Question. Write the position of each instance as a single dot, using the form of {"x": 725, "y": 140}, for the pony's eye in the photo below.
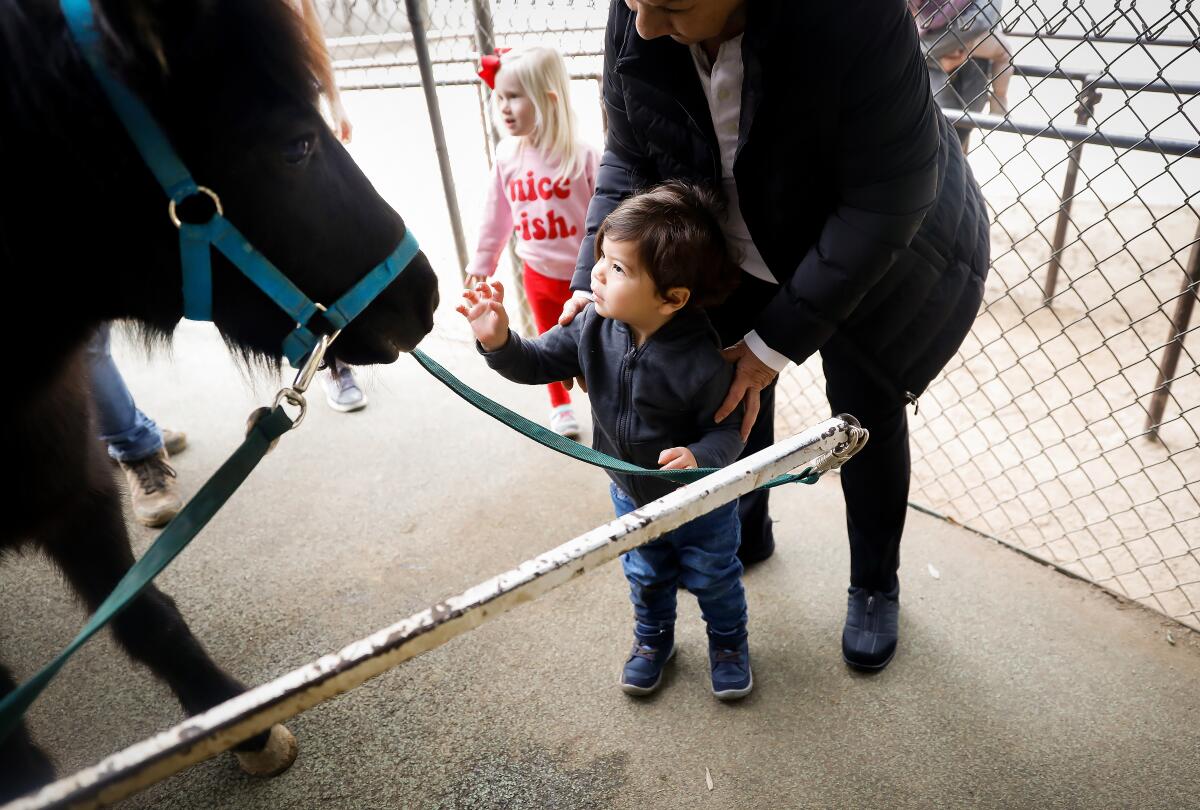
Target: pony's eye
{"x": 298, "y": 149}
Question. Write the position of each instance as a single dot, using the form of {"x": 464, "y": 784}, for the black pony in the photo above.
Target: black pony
{"x": 85, "y": 238}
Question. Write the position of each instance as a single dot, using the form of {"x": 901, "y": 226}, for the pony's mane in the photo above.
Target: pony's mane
{"x": 28, "y": 60}
{"x": 267, "y": 37}
{"x": 261, "y": 371}
{"x": 258, "y": 38}
{"x": 272, "y": 33}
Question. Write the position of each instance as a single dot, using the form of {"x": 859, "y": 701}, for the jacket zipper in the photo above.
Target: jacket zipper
{"x": 626, "y": 404}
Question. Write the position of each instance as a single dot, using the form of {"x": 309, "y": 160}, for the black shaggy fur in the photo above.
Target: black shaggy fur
{"x": 85, "y": 238}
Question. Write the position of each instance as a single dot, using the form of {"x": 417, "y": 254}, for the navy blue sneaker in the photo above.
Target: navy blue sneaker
{"x": 643, "y": 671}
{"x": 731, "y": 676}
{"x": 872, "y": 628}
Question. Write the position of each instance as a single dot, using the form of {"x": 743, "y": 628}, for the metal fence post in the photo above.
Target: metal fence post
{"x": 1089, "y": 97}
{"x": 485, "y": 40}
{"x": 1180, "y": 323}
{"x": 421, "y": 46}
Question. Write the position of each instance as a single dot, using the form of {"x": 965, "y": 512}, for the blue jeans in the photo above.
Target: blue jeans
{"x": 702, "y": 556}
{"x": 129, "y": 433}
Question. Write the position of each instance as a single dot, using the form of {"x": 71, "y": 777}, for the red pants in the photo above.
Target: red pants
{"x": 546, "y": 297}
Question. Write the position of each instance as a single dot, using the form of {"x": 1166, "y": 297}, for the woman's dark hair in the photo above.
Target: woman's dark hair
{"x": 677, "y": 228}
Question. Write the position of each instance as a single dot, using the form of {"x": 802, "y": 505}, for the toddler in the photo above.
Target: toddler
{"x": 655, "y": 378}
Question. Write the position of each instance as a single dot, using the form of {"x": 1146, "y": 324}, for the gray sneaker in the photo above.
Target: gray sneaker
{"x": 341, "y": 389}
{"x": 152, "y": 489}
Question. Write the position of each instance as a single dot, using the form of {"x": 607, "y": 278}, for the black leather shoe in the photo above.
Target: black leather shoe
{"x": 872, "y": 628}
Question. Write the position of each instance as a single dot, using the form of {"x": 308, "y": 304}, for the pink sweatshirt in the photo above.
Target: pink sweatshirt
{"x": 547, "y": 216}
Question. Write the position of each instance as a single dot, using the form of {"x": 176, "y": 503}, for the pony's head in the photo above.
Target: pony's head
{"x": 234, "y": 84}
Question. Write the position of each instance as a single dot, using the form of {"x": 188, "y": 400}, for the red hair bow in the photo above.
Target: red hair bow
{"x": 490, "y": 66}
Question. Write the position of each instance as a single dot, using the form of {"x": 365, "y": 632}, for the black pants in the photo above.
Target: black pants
{"x": 874, "y": 482}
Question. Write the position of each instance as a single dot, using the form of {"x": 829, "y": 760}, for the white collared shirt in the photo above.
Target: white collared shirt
{"x": 723, "y": 89}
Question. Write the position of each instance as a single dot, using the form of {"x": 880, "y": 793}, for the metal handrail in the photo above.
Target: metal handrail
{"x": 1178, "y": 147}
{"x": 1119, "y": 39}
{"x": 1107, "y": 81}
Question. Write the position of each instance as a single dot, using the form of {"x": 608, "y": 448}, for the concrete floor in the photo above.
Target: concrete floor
{"x": 1015, "y": 686}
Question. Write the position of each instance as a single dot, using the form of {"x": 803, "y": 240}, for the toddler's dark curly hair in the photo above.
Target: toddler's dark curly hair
{"x": 677, "y": 228}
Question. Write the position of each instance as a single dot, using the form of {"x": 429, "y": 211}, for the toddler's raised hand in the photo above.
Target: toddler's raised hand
{"x": 677, "y": 458}
{"x": 484, "y": 309}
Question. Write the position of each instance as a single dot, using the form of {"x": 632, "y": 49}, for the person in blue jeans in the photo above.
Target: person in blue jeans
{"x": 701, "y": 556}
{"x": 133, "y": 439}
{"x": 968, "y": 58}
{"x": 655, "y": 377}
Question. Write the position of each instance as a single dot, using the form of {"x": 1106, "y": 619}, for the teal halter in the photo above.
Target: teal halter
{"x": 195, "y": 240}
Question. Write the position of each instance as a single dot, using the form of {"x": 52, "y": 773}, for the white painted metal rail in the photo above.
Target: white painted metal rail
{"x": 823, "y": 448}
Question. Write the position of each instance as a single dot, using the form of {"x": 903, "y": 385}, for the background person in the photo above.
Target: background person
{"x": 133, "y": 439}
{"x": 542, "y": 180}
{"x": 968, "y": 58}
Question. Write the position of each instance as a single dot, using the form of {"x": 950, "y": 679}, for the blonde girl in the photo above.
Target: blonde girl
{"x": 542, "y": 180}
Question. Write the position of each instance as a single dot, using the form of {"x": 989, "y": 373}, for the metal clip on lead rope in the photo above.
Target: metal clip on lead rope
{"x": 294, "y": 394}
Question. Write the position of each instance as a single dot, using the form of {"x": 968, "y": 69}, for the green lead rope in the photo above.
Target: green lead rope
{"x": 567, "y": 447}
{"x": 173, "y": 539}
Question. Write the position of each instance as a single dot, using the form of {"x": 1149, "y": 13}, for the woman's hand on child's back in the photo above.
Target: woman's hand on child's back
{"x": 677, "y": 458}
{"x": 484, "y": 309}
{"x": 572, "y": 307}
{"x": 750, "y": 376}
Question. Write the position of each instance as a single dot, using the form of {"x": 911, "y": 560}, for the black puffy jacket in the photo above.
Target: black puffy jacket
{"x": 850, "y": 179}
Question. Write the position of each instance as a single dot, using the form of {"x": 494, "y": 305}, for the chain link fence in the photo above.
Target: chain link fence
{"x": 1067, "y": 426}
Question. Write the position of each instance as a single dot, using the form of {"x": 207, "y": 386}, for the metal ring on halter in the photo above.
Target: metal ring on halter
{"x": 199, "y": 190}
{"x": 320, "y": 308}
{"x": 295, "y": 398}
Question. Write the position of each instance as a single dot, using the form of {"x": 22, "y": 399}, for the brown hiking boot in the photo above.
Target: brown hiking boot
{"x": 152, "y": 489}
{"x": 175, "y": 441}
